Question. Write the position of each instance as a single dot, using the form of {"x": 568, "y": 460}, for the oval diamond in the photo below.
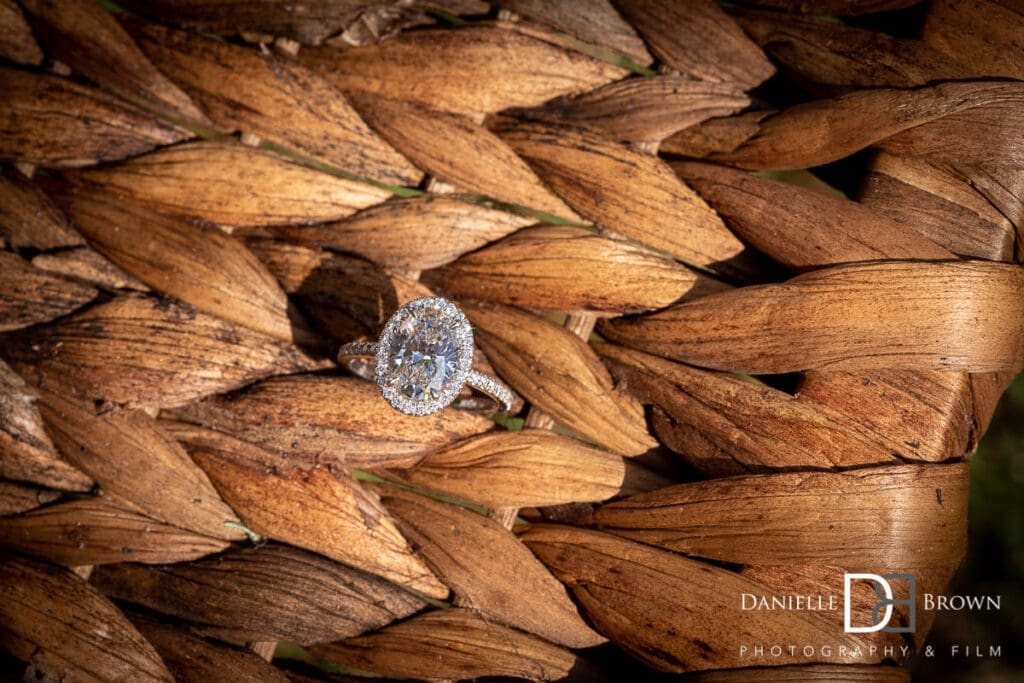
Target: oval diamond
{"x": 424, "y": 357}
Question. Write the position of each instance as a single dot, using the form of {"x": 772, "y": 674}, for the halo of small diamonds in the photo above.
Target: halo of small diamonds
{"x": 424, "y": 355}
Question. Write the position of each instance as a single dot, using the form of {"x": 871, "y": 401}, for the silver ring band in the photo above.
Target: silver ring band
{"x": 424, "y": 359}
{"x": 359, "y": 358}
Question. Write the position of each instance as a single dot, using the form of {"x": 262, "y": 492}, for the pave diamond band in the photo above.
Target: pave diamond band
{"x": 492, "y": 387}
{"x": 359, "y": 356}
{"x": 423, "y": 359}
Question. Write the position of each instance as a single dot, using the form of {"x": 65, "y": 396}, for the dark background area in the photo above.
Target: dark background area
{"x": 995, "y": 560}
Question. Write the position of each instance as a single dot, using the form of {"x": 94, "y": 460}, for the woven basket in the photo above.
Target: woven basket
{"x": 732, "y": 379}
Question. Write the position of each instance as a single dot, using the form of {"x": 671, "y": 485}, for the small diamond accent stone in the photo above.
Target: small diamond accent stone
{"x": 424, "y": 356}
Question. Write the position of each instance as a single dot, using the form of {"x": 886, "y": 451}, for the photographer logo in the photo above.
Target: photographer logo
{"x": 890, "y": 606}
{"x": 882, "y": 612}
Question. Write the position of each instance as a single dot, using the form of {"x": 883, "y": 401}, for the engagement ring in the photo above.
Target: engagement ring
{"x": 423, "y": 359}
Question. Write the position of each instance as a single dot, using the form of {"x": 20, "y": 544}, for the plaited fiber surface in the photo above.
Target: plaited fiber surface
{"x": 733, "y": 375}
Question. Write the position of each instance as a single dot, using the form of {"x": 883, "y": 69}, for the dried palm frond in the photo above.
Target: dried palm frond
{"x": 200, "y": 200}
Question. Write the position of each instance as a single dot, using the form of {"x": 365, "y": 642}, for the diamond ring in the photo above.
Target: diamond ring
{"x": 423, "y": 359}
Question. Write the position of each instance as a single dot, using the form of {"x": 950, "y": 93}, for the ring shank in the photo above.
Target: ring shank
{"x": 360, "y": 358}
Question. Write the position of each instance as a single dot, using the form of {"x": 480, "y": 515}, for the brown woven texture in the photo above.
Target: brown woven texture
{"x": 730, "y": 377}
